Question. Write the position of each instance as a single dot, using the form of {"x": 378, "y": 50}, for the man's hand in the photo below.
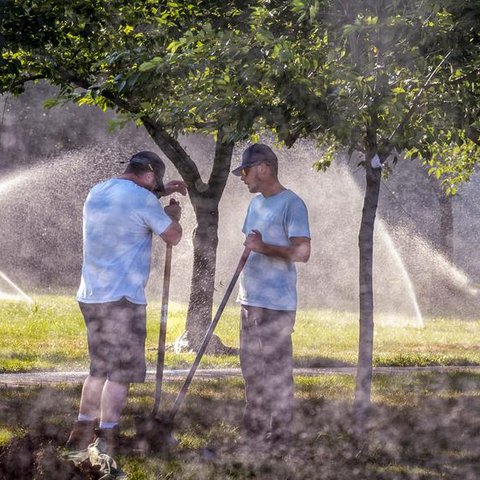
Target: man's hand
{"x": 173, "y": 210}
{"x": 297, "y": 251}
{"x": 254, "y": 241}
{"x": 175, "y": 186}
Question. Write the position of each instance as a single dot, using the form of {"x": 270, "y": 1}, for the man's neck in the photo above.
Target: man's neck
{"x": 272, "y": 189}
{"x": 133, "y": 178}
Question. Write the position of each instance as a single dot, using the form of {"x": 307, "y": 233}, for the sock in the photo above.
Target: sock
{"x": 108, "y": 425}
{"x": 85, "y": 418}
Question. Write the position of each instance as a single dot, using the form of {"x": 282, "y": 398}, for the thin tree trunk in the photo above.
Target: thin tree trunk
{"x": 446, "y": 226}
{"x": 445, "y": 237}
{"x": 366, "y": 327}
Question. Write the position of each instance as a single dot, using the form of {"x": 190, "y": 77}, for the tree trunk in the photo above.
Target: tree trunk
{"x": 445, "y": 237}
{"x": 205, "y": 198}
{"x": 205, "y": 242}
{"x": 446, "y": 226}
{"x": 366, "y": 327}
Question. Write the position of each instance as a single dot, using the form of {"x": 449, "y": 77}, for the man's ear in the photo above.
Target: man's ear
{"x": 265, "y": 169}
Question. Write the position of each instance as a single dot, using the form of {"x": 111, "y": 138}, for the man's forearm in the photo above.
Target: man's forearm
{"x": 297, "y": 252}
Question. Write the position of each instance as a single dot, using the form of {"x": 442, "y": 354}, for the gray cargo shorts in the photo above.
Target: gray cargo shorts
{"x": 116, "y": 333}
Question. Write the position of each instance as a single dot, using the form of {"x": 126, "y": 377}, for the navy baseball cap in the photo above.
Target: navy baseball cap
{"x": 155, "y": 163}
{"x": 254, "y": 155}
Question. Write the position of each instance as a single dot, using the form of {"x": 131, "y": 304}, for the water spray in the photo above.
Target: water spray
{"x": 20, "y": 292}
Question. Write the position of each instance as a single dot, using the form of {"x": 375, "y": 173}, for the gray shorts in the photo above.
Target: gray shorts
{"x": 116, "y": 333}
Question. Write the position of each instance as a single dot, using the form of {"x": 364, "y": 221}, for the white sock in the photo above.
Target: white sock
{"x": 85, "y": 418}
{"x": 107, "y": 425}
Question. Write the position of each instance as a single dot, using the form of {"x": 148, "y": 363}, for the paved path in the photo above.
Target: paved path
{"x": 41, "y": 378}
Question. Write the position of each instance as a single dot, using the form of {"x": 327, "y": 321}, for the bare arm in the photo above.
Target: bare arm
{"x": 173, "y": 233}
{"x": 297, "y": 251}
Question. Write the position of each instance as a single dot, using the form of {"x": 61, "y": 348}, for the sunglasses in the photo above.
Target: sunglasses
{"x": 244, "y": 171}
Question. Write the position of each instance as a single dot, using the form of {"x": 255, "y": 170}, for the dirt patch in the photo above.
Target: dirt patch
{"x": 35, "y": 458}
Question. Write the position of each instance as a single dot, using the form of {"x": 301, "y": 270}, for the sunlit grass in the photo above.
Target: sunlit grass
{"x": 333, "y": 387}
{"x": 5, "y": 435}
{"x": 50, "y": 335}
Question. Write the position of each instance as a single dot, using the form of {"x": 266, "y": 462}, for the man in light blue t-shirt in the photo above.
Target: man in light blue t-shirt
{"x": 278, "y": 235}
{"x": 120, "y": 216}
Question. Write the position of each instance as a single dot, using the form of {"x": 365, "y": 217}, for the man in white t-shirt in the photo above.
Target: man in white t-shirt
{"x": 120, "y": 217}
{"x": 277, "y": 232}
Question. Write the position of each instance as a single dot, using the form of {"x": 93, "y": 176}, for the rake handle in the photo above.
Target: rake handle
{"x": 208, "y": 335}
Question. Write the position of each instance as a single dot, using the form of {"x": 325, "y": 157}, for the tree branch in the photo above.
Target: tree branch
{"x": 473, "y": 134}
{"x": 221, "y": 165}
{"x": 172, "y": 149}
{"x": 414, "y": 105}
{"x": 20, "y": 82}
{"x": 166, "y": 142}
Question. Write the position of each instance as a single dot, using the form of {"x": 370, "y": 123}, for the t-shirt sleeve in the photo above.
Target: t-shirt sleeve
{"x": 154, "y": 215}
{"x": 297, "y": 219}
{"x": 246, "y": 228}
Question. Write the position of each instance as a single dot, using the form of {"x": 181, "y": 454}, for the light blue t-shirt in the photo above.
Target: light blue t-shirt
{"x": 119, "y": 218}
{"x": 266, "y": 281}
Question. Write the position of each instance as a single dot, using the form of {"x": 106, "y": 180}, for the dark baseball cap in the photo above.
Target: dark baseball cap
{"x": 155, "y": 163}
{"x": 254, "y": 155}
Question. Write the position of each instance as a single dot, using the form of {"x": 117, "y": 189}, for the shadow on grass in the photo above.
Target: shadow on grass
{"x": 320, "y": 362}
{"x": 435, "y": 434}
{"x": 16, "y": 362}
{"x": 422, "y": 360}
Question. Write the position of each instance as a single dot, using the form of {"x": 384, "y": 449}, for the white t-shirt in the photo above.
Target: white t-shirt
{"x": 266, "y": 281}
{"x": 119, "y": 218}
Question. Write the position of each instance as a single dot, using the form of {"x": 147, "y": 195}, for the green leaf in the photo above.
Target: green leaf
{"x": 51, "y": 102}
{"x": 147, "y": 66}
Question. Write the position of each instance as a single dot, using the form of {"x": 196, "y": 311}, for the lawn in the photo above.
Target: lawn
{"x": 422, "y": 425}
{"x": 50, "y": 335}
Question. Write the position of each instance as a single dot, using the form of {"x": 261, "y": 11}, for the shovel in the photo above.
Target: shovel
{"x": 162, "y": 438}
{"x": 146, "y": 427}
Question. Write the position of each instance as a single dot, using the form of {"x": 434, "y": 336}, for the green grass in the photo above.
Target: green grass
{"x": 50, "y": 335}
{"x": 423, "y": 425}
{"x": 329, "y": 337}
{"x": 5, "y": 435}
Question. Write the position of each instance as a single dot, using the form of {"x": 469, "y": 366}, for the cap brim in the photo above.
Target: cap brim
{"x": 160, "y": 188}
{"x": 237, "y": 171}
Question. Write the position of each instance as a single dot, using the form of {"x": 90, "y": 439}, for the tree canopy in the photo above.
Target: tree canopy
{"x": 408, "y": 70}
{"x": 183, "y": 64}
{"x": 325, "y": 68}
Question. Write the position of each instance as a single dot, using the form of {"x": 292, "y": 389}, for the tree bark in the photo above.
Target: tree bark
{"x": 205, "y": 242}
{"x": 445, "y": 237}
{"x": 446, "y": 226}
{"x": 205, "y": 198}
{"x": 366, "y": 324}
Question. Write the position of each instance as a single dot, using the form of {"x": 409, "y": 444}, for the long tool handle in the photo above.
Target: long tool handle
{"x": 183, "y": 391}
{"x": 163, "y": 330}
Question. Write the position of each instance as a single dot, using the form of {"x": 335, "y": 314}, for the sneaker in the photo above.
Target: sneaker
{"x": 109, "y": 439}
{"x": 82, "y": 435}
